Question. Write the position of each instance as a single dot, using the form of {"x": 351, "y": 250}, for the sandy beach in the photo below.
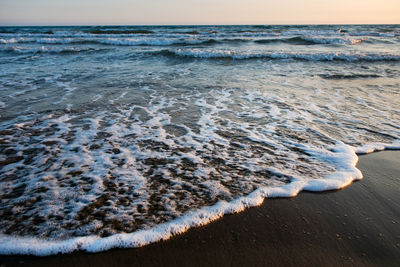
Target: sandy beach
{"x": 356, "y": 226}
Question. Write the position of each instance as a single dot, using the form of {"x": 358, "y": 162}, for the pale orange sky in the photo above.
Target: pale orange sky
{"x": 77, "y": 12}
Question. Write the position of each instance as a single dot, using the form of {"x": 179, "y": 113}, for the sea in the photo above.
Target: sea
{"x": 120, "y": 136}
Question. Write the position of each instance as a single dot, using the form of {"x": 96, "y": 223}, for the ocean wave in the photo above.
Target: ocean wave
{"x": 9, "y": 32}
{"x": 227, "y": 54}
{"x": 10, "y": 41}
{"x": 376, "y": 34}
{"x": 119, "y": 32}
{"x": 348, "y": 41}
{"x": 114, "y": 41}
{"x": 154, "y": 42}
{"x": 238, "y": 31}
{"x": 348, "y": 76}
{"x": 71, "y": 34}
{"x": 49, "y": 50}
{"x": 292, "y": 40}
{"x": 311, "y": 32}
{"x": 301, "y": 40}
{"x": 298, "y": 40}
{"x": 168, "y": 38}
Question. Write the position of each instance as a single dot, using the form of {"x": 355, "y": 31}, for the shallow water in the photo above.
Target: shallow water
{"x": 113, "y": 130}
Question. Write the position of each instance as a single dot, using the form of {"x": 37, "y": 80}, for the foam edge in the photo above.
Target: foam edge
{"x": 344, "y": 155}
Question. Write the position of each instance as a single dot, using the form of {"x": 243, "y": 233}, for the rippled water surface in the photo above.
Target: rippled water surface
{"x": 108, "y": 130}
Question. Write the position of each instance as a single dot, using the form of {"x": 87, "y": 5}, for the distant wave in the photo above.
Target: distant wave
{"x": 10, "y": 31}
{"x": 178, "y": 41}
{"x": 349, "y": 41}
{"x": 226, "y": 54}
{"x": 151, "y": 41}
{"x": 63, "y": 50}
{"x": 22, "y": 40}
{"x": 113, "y": 41}
{"x": 348, "y": 76}
{"x": 203, "y": 53}
{"x": 301, "y": 40}
{"x": 106, "y": 31}
{"x": 247, "y": 31}
{"x": 121, "y": 32}
{"x": 154, "y": 42}
{"x": 292, "y": 40}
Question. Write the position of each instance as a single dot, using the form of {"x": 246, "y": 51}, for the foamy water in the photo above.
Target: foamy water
{"x": 123, "y": 136}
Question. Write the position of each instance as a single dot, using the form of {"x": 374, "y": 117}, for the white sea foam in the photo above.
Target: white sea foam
{"x": 369, "y": 148}
{"x": 11, "y": 40}
{"x": 43, "y": 49}
{"x": 344, "y": 155}
{"x": 331, "y": 40}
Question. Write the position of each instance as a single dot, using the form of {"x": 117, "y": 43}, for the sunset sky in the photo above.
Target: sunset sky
{"x": 89, "y": 12}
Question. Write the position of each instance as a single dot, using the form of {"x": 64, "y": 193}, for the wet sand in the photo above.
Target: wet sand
{"x": 356, "y": 226}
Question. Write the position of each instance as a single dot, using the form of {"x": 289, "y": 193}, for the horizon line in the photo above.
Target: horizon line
{"x": 200, "y": 24}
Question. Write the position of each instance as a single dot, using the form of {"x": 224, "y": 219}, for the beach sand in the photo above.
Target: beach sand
{"x": 359, "y": 225}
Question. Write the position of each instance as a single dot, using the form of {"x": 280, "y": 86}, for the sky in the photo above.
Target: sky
{"x": 160, "y": 12}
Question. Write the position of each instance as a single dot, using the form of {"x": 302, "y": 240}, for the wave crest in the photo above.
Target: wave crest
{"x": 302, "y": 40}
{"x": 227, "y": 54}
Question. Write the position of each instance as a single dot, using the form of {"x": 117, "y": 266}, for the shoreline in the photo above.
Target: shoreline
{"x": 355, "y": 226}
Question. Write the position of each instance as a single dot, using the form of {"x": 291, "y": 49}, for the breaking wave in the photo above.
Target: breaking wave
{"x": 227, "y": 54}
